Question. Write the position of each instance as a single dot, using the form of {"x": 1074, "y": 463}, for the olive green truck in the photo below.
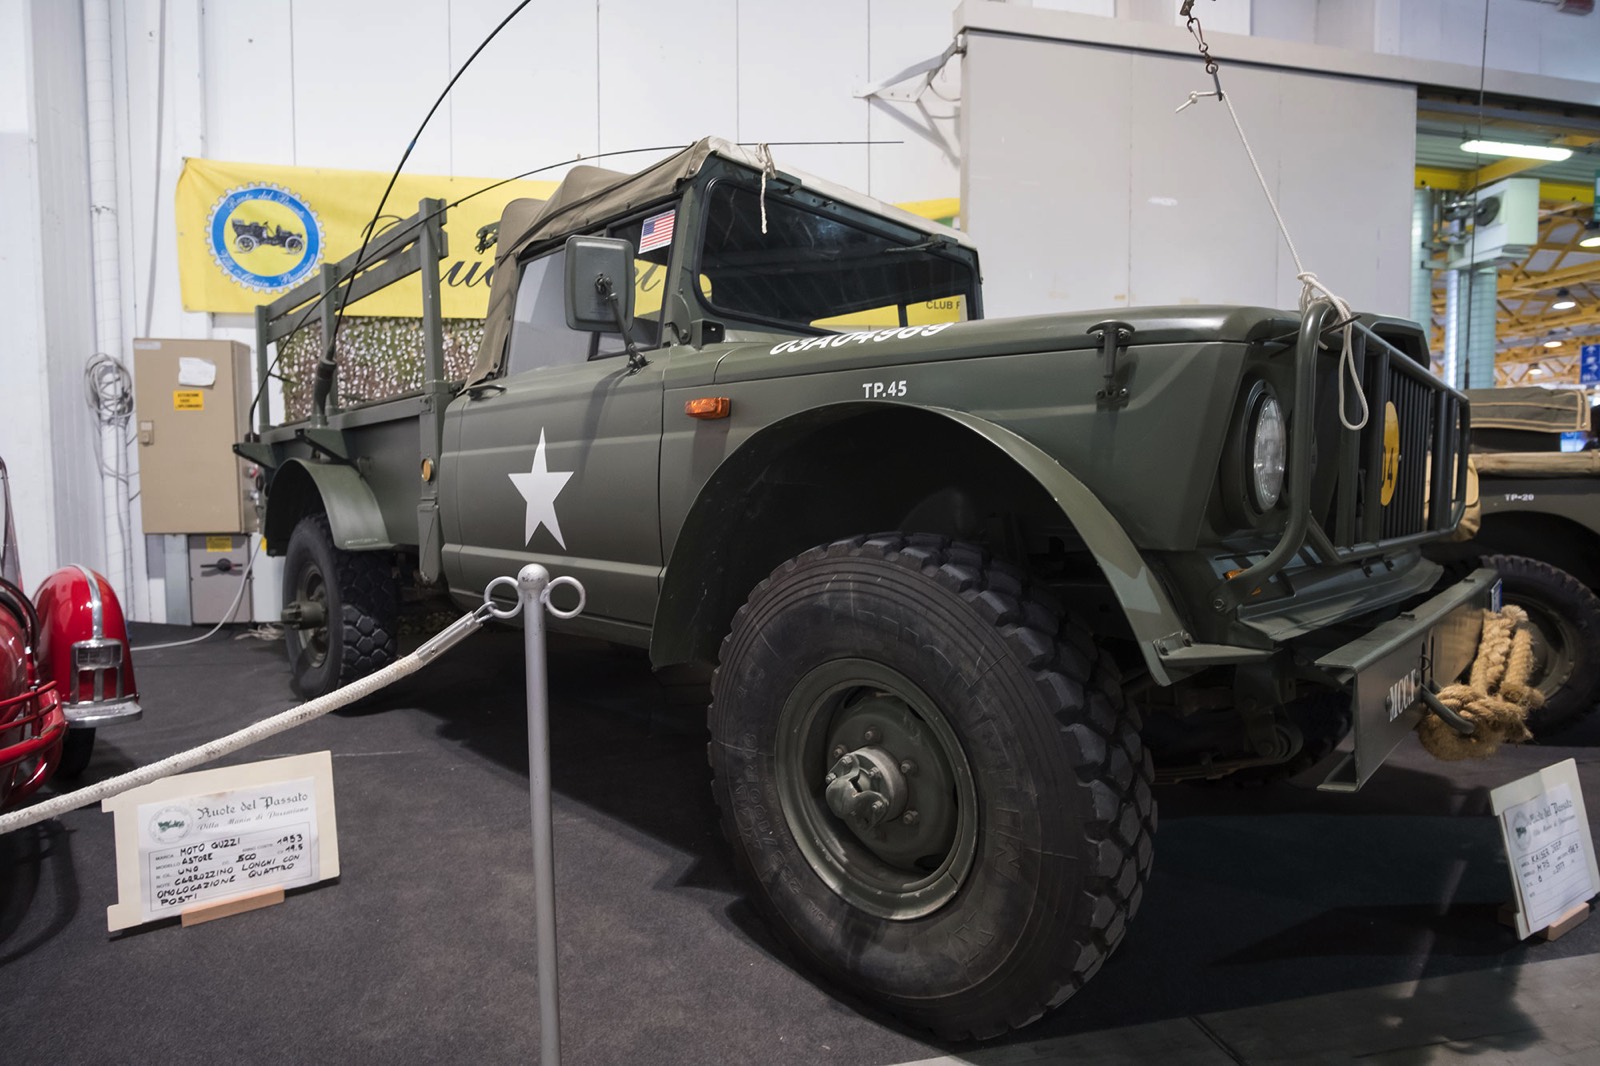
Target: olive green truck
{"x": 964, "y": 590}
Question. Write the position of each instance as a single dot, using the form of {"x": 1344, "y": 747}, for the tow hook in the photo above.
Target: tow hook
{"x": 303, "y": 614}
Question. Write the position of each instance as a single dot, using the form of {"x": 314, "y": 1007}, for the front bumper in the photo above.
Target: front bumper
{"x": 105, "y": 712}
{"x": 1431, "y": 645}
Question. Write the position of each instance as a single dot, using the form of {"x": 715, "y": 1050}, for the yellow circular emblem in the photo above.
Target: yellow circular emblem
{"x": 1391, "y": 453}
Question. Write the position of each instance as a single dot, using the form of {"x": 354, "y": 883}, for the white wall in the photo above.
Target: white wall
{"x": 27, "y": 423}
{"x": 1523, "y": 36}
{"x": 1122, "y": 202}
{"x": 344, "y": 83}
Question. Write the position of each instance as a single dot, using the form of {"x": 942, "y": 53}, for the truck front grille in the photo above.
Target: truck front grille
{"x": 1401, "y": 476}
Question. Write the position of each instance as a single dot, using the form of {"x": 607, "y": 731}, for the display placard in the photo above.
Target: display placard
{"x": 215, "y": 835}
{"x": 1546, "y": 832}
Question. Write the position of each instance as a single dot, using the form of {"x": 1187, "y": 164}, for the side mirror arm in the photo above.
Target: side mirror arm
{"x": 636, "y": 359}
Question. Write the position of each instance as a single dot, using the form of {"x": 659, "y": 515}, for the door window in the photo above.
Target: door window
{"x": 539, "y": 333}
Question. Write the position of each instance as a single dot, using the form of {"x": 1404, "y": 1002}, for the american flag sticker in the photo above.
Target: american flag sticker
{"x": 657, "y": 232}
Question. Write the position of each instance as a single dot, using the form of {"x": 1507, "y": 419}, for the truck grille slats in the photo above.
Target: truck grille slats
{"x": 1401, "y": 477}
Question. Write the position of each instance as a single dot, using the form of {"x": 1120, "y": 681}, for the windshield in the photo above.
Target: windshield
{"x": 815, "y": 271}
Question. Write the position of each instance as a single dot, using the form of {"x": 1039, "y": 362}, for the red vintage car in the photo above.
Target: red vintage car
{"x": 65, "y": 668}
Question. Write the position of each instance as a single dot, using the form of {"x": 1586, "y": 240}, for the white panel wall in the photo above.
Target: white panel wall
{"x": 1122, "y": 202}
{"x": 830, "y": 51}
{"x": 926, "y": 165}
{"x": 668, "y": 72}
{"x": 27, "y": 423}
{"x": 67, "y": 289}
{"x": 532, "y": 98}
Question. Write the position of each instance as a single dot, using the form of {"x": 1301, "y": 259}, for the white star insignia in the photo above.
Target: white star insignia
{"x": 540, "y": 488}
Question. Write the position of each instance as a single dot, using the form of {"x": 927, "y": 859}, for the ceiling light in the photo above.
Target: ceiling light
{"x": 1591, "y": 234}
{"x": 1552, "y": 344}
{"x": 1536, "y": 370}
{"x": 1564, "y": 301}
{"x": 1517, "y": 151}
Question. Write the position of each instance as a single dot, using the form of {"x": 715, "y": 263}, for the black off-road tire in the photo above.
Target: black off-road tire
{"x": 1566, "y": 619}
{"x": 76, "y": 749}
{"x": 362, "y": 605}
{"x": 1064, "y": 815}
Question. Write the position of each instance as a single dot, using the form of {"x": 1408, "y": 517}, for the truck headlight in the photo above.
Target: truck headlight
{"x": 1267, "y": 452}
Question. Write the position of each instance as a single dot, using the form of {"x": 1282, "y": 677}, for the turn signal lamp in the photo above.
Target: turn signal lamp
{"x": 709, "y": 407}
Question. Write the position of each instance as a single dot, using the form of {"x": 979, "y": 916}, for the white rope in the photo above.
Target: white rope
{"x": 441, "y": 642}
{"x": 769, "y": 169}
{"x": 1311, "y": 289}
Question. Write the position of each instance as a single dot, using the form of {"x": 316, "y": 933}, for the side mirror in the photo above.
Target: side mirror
{"x": 599, "y": 285}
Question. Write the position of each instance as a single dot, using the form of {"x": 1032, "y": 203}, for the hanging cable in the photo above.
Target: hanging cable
{"x": 227, "y": 616}
{"x": 108, "y": 389}
{"x": 325, "y": 368}
{"x": 1311, "y": 288}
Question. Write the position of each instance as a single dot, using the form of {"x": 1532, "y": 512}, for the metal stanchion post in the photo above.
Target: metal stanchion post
{"x": 534, "y": 585}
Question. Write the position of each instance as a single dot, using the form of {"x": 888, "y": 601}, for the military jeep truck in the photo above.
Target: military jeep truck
{"x": 968, "y": 587}
{"x": 1540, "y": 528}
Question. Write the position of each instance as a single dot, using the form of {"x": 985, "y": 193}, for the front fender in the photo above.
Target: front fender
{"x": 688, "y": 609}
{"x": 300, "y": 488}
{"x": 1149, "y": 610}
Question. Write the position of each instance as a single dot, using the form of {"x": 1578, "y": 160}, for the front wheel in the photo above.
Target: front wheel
{"x": 341, "y": 613}
{"x": 930, "y": 780}
{"x": 1565, "y": 618}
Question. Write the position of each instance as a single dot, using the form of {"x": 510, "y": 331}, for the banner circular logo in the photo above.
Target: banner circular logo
{"x": 264, "y": 237}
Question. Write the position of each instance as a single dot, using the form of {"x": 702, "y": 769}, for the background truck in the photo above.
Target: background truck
{"x": 1540, "y": 527}
{"x": 963, "y": 589}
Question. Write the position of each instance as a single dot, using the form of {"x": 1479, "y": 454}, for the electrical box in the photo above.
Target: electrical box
{"x": 191, "y": 403}
{"x": 216, "y": 572}
{"x": 1505, "y": 222}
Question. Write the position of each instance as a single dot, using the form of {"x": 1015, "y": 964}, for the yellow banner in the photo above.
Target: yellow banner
{"x": 248, "y": 232}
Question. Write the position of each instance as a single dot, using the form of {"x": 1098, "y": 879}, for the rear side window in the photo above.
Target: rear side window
{"x": 539, "y": 333}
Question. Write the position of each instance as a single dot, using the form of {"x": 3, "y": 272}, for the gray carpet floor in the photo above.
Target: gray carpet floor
{"x": 423, "y": 950}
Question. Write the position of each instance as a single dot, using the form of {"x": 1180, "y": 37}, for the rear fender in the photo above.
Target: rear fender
{"x": 301, "y": 488}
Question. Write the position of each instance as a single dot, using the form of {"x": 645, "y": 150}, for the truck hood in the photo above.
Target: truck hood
{"x": 787, "y": 357}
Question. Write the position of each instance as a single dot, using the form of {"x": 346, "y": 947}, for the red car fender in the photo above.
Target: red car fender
{"x": 32, "y": 725}
{"x": 83, "y": 647}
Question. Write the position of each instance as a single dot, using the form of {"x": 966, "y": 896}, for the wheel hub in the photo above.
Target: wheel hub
{"x": 866, "y": 788}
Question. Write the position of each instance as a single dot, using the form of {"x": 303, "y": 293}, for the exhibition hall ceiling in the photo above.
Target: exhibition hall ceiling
{"x": 1550, "y": 298}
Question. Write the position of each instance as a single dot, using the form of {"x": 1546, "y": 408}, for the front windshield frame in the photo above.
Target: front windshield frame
{"x": 796, "y": 199}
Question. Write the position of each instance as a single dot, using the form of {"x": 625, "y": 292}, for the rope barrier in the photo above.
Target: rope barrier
{"x": 1496, "y": 697}
{"x": 437, "y": 645}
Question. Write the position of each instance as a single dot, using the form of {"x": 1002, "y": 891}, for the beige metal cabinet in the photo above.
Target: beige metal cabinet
{"x": 191, "y": 402}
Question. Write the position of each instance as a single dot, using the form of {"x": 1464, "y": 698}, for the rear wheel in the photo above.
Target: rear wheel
{"x": 342, "y": 610}
{"x": 1564, "y": 616}
{"x": 930, "y": 781}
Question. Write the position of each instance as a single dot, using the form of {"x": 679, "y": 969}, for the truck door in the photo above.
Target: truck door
{"x": 557, "y": 460}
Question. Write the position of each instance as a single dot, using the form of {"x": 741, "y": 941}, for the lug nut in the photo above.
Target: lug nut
{"x": 909, "y": 818}
{"x": 838, "y": 752}
{"x": 908, "y": 768}
{"x": 871, "y": 736}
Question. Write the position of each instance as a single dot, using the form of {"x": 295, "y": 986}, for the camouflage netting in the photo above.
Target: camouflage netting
{"x": 379, "y": 359}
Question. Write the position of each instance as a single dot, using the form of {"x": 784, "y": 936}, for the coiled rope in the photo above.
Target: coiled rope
{"x": 1496, "y": 697}
{"x": 440, "y": 643}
